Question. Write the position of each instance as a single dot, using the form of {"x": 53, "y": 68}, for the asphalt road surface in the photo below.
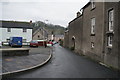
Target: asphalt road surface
{"x": 66, "y": 64}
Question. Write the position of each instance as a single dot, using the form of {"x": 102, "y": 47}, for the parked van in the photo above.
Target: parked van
{"x": 15, "y": 41}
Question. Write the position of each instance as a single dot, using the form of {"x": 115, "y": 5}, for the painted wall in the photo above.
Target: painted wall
{"x": 15, "y": 32}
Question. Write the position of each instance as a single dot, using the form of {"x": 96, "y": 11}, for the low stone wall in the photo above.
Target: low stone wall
{"x": 15, "y": 51}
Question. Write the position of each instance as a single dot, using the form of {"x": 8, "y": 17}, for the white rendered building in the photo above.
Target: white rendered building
{"x": 15, "y": 29}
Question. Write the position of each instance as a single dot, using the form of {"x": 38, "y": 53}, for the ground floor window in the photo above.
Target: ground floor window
{"x": 110, "y": 39}
{"x": 92, "y": 45}
{"x": 24, "y": 40}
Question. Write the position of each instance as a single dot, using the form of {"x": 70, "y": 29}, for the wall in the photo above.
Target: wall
{"x": 35, "y": 37}
{"x": 75, "y": 30}
{"x": 88, "y": 13}
{"x": 66, "y": 39}
{"x": 111, "y": 55}
{"x": 119, "y": 38}
{"x": 16, "y": 32}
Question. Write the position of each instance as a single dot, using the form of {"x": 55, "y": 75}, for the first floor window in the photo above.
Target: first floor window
{"x": 111, "y": 20}
{"x": 24, "y": 40}
{"x": 8, "y": 29}
{"x": 93, "y": 26}
{"x": 110, "y": 39}
{"x": 93, "y": 4}
{"x": 24, "y": 30}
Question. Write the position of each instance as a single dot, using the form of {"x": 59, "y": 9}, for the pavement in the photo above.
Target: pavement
{"x": 37, "y": 57}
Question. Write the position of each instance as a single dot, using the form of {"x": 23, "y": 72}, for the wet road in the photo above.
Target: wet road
{"x": 66, "y": 64}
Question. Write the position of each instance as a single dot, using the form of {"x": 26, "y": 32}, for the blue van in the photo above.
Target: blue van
{"x": 15, "y": 41}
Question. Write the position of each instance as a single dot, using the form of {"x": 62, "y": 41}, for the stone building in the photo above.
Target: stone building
{"x": 96, "y": 32}
{"x": 75, "y": 33}
{"x": 66, "y": 39}
{"x": 40, "y": 34}
{"x": 111, "y": 34}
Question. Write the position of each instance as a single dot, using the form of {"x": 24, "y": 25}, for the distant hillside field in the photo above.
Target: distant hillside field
{"x": 55, "y": 29}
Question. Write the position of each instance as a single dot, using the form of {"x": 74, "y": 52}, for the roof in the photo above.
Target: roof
{"x": 59, "y": 35}
{"x": 81, "y": 9}
{"x": 76, "y": 18}
{"x": 15, "y": 24}
{"x": 39, "y": 29}
{"x": 86, "y": 5}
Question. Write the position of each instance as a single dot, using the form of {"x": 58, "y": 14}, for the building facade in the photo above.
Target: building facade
{"x": 75, "y": 33}
{"x": 66, "y": 39}
{"x": 93, "y": 29}
{"x": 96, "y": 32}
{"x": 40, "y": 34}
{"x": 15, "y": 29}
{"x": 111, "y": 52}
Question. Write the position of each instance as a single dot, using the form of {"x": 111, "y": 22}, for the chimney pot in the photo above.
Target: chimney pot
{"x": 30, "y": 21}
{"x": 78, "y": 14}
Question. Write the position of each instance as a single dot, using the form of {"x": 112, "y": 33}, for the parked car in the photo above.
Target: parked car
{"x": 50, "y": 43}
{"x": 34, "y": 43}
{"x": 41, "y": 42}
{"x": 38, "y": 43}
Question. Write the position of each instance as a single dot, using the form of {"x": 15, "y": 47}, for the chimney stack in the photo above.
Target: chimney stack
{"x": 30, "y": 21}
{"x": 78, "y": 14}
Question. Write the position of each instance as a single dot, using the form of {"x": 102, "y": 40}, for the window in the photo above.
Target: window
{"x": 24, "y": 40}
{"x": 110, "y": 39}
{"x": 111, "y": 20}
{"x": 93, "y": 4}
{"x": 8, "y": 29}
{"x": 92, "y": 45}
{"x": 24, "y": 30}
{"x": 8, "y": 40}
{"x": 93, "y": 26}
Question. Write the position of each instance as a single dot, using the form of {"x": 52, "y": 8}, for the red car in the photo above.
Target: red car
{"x": 34, "y": 43}
{"x": 50, "y": 43}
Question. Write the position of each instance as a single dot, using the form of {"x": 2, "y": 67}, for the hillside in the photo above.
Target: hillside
{"x": 55, "y": 29}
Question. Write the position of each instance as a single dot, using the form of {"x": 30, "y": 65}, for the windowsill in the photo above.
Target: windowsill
{"x": 109, "y": 47}
{"x": 110, "y": 32}
{"x": 92, "y": 48}
{"x": 93, "y": 8}
{"x": 92, "y": 35}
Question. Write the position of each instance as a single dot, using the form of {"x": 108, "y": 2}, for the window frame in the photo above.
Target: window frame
{"x": 110, "y": 41}
{"x": 8, "y": 29}
{"x": 92, "y": 4}
{"x": 92, "y": 45}
{"x": 111, "y": 20}
{"x": 24, "y": 30}
{"x": 93, "y": 24}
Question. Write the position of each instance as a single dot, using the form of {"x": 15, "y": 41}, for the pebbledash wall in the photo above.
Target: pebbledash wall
{"x": 95, "y": 41}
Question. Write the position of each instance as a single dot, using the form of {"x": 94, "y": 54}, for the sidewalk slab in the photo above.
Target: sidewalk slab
{"x": 17, "y": 63}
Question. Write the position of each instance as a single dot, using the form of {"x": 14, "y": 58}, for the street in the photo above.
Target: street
{"x": 66, "y": 64}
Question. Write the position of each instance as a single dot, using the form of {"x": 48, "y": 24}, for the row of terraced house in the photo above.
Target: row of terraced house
{"x": 95, "y": 32}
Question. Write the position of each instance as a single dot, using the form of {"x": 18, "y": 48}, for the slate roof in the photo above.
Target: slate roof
{"x": 15, "y": 24}
{"x": 39, "y": 29}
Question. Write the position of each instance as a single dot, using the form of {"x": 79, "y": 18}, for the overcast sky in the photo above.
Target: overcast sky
{"x": 59, "y": 12}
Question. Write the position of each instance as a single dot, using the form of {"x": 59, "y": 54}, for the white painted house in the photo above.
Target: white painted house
{"x": 15, "y": 29}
